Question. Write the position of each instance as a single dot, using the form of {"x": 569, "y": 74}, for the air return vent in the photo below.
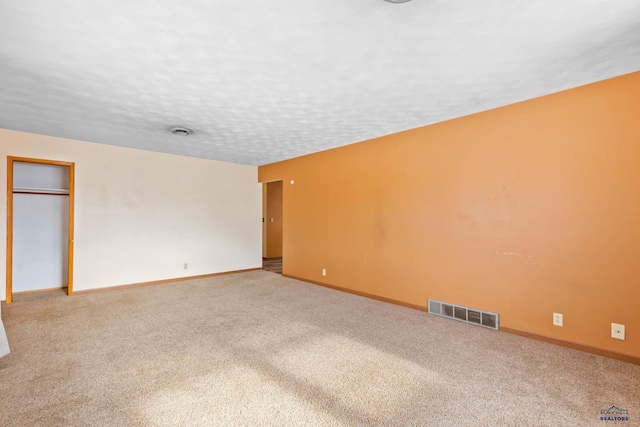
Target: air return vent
{"x": 464, "y": 314}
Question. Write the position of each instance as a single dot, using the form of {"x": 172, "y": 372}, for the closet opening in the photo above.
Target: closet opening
{"x": 40, "y": 196}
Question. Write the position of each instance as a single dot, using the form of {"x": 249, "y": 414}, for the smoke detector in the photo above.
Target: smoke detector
{"x": 182, "y": 131}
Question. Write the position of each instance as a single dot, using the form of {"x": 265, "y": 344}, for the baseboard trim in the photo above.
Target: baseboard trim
{"x": 580, "y": 347}
{"x": 361, "y": 294}
{"x": 163, "y": 281}
{"x": 576, "y": 346}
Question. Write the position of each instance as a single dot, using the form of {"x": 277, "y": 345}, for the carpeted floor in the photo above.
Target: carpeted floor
{"x": 260, "y": 349}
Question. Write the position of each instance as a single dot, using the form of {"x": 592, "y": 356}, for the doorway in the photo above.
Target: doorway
{"x": 272, "y": 221}
{"x": 40, "y": 196}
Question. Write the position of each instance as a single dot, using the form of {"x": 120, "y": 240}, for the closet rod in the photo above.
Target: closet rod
{"x": 50, "y": 191}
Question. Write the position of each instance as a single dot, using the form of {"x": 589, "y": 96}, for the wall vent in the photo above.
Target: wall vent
{"x": 464, "y": 314}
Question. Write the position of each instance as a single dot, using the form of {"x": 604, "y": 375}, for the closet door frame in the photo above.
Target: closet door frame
{"x": 10, "y": 162}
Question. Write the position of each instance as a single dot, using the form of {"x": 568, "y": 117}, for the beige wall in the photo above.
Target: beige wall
{"x": 524, "y": 210}
{"x": 139, "y": 215}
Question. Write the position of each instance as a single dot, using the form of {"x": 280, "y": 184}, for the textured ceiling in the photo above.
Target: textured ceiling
{"x": 261, "y": 81}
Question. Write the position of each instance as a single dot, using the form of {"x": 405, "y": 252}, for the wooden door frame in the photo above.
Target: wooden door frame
{"x": 10, "y": 162}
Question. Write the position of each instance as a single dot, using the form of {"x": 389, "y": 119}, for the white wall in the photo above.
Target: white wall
{"x": 40, "y": 230}
{"x": 4, "y": 343}
{"x": 139, "y": 215}
{"x": 39, "y": 175}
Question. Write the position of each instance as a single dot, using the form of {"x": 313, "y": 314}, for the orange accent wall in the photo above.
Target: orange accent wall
{"x": 524, "y": 210}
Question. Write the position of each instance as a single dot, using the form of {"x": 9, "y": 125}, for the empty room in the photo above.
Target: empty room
{"x": 320, "y": 212}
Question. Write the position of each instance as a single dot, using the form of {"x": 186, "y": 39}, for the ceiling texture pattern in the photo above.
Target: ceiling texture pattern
{"x": 262, "y": 81}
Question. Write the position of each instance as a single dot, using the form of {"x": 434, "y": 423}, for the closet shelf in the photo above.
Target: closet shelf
{"x": 28, "y": 190}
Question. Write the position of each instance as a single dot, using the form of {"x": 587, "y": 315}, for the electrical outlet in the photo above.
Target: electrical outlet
{"x": 186, "y": 265}
{"x": 324, "y": 271}
{"x": 557, "y": 319}
{"x": 617, "y": 331}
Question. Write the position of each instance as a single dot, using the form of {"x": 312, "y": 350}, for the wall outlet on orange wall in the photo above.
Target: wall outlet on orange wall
{"x": 557, "y": 319}
{"x": 324, "y": 271}
{"x": 617, "y": 331}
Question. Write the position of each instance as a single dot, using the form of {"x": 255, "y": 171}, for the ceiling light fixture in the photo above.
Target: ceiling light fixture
{"x": 179, "y": 130}
{"x": 397, "y": 1}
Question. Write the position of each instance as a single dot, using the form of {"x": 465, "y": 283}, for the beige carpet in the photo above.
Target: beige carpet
{"x": 260, "y": 349}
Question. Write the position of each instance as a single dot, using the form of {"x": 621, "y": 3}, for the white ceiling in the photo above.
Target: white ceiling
{"x": 261, "y": 81}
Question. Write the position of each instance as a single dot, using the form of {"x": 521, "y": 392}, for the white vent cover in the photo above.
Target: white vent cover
{"x": 464, "y": 314}
{"x": 181, "y": 131}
